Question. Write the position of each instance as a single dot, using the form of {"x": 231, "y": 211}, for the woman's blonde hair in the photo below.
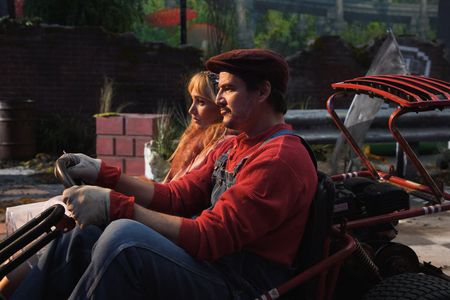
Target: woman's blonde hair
{"x": 204, "y": 83}
{"x": 195, "y": 140}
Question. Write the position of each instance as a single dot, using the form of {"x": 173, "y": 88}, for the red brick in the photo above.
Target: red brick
{"x": 113, "y": 161}
{"x": 105, "y": 145}
{"x": 124, "y": 146}
{"x": 110, "y": 125}
{"x": 139, "y": 146}
{"x": 140, "y": 124}
{"x": 134, "y": 166}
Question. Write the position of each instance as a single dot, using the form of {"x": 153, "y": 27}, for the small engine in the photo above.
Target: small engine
{"x": 360, "y": 197}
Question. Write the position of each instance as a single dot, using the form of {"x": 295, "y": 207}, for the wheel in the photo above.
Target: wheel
{"x": 410, "y": 286}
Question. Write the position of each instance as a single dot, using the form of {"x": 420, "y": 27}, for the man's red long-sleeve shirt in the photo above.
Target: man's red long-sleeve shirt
{"x": 264, "y": 212}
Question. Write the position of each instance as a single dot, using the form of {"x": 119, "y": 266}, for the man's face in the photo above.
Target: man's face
{"x": 237, "y": 104}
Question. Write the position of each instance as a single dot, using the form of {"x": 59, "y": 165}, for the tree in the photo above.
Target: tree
{"x": 285, "y": 33}
{"x": 112, "y": 15}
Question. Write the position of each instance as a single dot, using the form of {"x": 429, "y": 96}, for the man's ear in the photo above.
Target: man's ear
{"x": 264, "y": 90}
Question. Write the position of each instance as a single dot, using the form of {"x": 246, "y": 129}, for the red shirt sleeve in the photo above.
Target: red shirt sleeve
{"x": 120, "y": 206}
{"x": 108, "y": 176}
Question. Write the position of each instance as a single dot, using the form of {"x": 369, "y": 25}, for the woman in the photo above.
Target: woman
{"x": 201, "y": 136}
{"x": 205, "y": 130}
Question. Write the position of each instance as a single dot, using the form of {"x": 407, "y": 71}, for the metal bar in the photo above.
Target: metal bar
{"x": 438, "y": 82}
{"x": 343, "y": 176}
{"x": 30, "y": 231}
{"x": 28, "y": 252}
{"x": 388, "y": 84}
{"x": 183, "y": 38}
{"x": 418, "y": 81}
{"x": 411, "y": 155}
{"x": 400, "y": 215}
{"x": 414, "y": 88}
{"x": 348, "y": 136}
{"x": 409, "y": 184}
{"x": 380, "y": 93}
{"x": 332, "y": 279}
{"x": 324, "y": 264}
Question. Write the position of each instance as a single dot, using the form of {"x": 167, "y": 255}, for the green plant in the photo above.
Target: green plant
{"x": 73, "y": 132}
{"x": 106, "y": 100}
{"x": 106, "y": 95}
{"x": 169, "y": 127}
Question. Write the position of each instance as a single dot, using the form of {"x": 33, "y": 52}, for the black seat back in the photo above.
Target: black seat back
{"x": 318, "y": 227}
{"x": 319, "y": 223}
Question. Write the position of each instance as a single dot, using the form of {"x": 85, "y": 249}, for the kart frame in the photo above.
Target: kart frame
{"x": 409, "y": 94}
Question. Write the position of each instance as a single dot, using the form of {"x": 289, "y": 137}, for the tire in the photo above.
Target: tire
{"x": 410, "y": 286}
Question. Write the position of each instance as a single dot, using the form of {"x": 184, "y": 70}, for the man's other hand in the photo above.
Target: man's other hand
{"x": 88, "y": 204}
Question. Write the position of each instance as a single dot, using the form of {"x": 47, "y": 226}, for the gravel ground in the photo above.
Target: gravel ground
{"x": 20, "y": 185}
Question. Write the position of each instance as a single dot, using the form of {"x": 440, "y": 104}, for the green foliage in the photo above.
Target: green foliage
{"x": 285, "y": 33}
{"x": 169, "y": 35}
{"x": 6, "y": 22}
{"x": 169, "y": 128}
{"x": 357, "y": 34}
{"x": 106, "y": 95}
{"x": 112, "y": 15}
{"x": 106, "y": 100}
{"x": 71, "y": 133}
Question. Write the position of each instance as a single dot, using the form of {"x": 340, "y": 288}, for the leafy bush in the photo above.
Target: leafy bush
{"x": 285, "y": 33}
{"x": 71, "y": 133}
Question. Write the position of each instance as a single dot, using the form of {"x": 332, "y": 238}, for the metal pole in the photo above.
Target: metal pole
{"x": 182, "y": 22}
{"x": 11, "y": 8}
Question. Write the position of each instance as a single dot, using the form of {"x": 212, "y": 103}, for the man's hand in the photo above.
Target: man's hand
{"x": 88, "y": 204}
{"x": 81, "y": 166}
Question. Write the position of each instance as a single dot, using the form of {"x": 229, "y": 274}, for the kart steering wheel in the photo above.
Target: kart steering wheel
{"x": 61, "y": 172}
{"x": 40, "y": 230}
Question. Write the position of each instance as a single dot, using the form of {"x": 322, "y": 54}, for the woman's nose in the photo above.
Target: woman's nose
{"x": 191, "y": 109}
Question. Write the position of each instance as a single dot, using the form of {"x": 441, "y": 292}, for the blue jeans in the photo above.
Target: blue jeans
{"x": 132, "y": 261}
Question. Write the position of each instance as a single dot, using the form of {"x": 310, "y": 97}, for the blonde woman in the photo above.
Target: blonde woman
{"x": 205, "y": 130}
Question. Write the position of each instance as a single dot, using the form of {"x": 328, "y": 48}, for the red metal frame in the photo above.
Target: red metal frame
{"x": 410, "y": 94}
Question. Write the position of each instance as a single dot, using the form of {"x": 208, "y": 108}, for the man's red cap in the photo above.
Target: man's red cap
{"x": 261, "y": 63}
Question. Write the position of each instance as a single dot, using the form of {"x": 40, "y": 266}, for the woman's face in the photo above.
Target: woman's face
{"x": 204, "y": 111}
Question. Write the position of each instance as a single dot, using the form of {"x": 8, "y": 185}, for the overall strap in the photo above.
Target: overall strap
{"x": 277, "y": 134}
{"x": 222, "y": 180}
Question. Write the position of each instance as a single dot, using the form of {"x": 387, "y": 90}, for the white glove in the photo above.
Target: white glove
{"x": 89, "y": 204}
{"x": 83, "y": 167}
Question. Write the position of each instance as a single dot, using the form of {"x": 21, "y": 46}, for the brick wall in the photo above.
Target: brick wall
{"x": 312, "y": 71}
{"x": 63, "y": 69}
{"x": 120, "y": 140}
{"x": 331, "y": 60}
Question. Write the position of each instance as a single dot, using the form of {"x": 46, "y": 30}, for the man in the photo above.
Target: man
{"x": 230, "y": 229}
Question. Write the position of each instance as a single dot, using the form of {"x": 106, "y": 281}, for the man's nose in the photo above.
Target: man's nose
{"x": 219, "y": 98}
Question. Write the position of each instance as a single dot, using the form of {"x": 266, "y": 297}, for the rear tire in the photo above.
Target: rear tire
{"x": 410, "y": 286}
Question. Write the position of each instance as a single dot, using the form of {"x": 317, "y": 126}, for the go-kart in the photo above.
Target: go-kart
{"x": 347, "y": 250}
